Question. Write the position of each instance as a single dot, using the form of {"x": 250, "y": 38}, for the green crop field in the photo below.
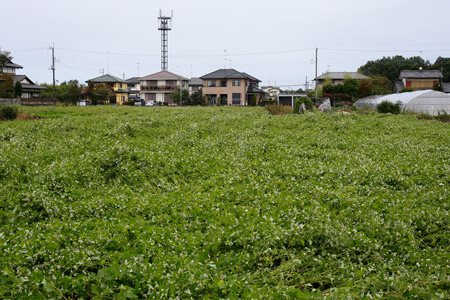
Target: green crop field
{"x": 223, "y": 203}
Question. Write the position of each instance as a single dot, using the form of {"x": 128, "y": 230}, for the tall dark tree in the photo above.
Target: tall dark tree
{"x": 7, "y": 87}
{"x": 443, "y": 64}
{"x": 18, "y": 89}
{"x": 5, "y": 56}
{"x": 390, "y": 67}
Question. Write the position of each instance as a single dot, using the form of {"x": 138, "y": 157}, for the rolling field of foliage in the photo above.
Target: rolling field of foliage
{"x": 223, "y": 203}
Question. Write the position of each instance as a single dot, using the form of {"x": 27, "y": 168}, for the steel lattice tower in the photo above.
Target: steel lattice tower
{"x": 164, "y": 24}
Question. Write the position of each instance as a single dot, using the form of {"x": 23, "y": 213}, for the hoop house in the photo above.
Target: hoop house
{"x": 427, "y": 101}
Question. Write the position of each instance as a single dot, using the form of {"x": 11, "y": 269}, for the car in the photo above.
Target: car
{"x": 151, "y": 103}
{"x": 137, "y": 102}
{"x": 83, "y": 103}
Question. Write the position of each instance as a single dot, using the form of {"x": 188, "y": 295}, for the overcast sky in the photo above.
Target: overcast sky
{"x": 274, "y": 41}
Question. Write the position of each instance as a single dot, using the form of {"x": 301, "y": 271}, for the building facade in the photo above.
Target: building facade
{"x": 233, "y": 87}
{"x": 158, "y": 86}
{"x": 119, "y": 88}
{"x": 418, "y": 80}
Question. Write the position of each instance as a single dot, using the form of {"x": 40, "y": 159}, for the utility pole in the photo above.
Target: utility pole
{"x": 317, "y": 49}
{"x": 306, "y": 83}
{"x": 102, "y": 71}
{"x": 53, "y": 70}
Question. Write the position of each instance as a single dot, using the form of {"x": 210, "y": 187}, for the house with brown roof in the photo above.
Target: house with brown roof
{"x": 418, "y": 80}
{"x": 158, "y": 86}
{"x": 233, "y": 87}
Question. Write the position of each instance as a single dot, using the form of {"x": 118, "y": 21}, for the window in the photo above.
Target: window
{"x": 236, "y": 99}
{"x": 211, "y": 83}
{"x": 223, "y": 83}
{"x": 120, "y": 85}
{"x": 236, "y": 83}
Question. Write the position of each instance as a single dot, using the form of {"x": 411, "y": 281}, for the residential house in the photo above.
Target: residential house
{"x": 195, "y": 85}
{"x": 233, "y": 87}
{"x": 29, "y": 88}
{"x": 134, "y": 88}
{"x": 339, "y": 77}
{"x": 10, "y": 68}
{"x": 418, "y": 80}
{"x": 117, "y": 85}
{"x": 271, "y": 91}
{"x": 158, "y": 86}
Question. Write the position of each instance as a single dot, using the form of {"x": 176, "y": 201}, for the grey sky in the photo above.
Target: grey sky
{"x": 271, "y": 40}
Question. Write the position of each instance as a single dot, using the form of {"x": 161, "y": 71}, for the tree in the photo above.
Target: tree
{"x": 18, "y": 89}
{"x": 175, "y": 96}
{"x": 376, "y": 85}
{"x": 7, "y": 87}
{"x": 5, "y": 56}
{"x": 351, "y": 88}
{"x": 390, "y": 67}
{"x": 103, "y": 91}
{"x": 443, "y": 64}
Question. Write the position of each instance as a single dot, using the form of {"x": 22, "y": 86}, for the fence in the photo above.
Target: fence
{"x": 9, "y": 101}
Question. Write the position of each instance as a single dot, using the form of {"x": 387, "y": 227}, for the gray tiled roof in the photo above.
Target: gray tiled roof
{"x": 341, "y": 75}
{"x": 446, "y": 87}
{"x": 12, "y": 65}
{"x": 133, "y": 80}
{"x": 30, "y": 85}
{"x": 254, "y": 90}
{"x": 228, "y": 74}
{"x": 195, "y": 81}
{"x": 420, "y": 74}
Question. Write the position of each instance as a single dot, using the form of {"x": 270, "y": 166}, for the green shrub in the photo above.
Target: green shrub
{"x": 298, "y": 102}
{"x": 407, "y": 90}
{"x": 8, "y": 113}
{"x": 275, "y": 109}
{"x": 387, "y": 107}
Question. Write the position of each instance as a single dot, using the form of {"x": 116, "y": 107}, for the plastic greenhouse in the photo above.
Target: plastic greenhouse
{"x": 427, "y": 101}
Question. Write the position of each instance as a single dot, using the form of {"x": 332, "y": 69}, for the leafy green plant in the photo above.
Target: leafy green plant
{"x": 387, "y": 107}
{"x": 8, "y": 113}
{"x": 298, "y": 103}
{"x": 116, "y": 202}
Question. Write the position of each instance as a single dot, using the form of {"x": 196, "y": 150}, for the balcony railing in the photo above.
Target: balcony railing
{"x": 158, "y": 88}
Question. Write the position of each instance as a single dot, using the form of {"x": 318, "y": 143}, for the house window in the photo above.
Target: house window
{"x": 236, "y": 98}
{"x": 211, "y": 83}
{"x": 223, "y": 83}
{"x": 120, "y": 85}
{"x": 236, "y": 83}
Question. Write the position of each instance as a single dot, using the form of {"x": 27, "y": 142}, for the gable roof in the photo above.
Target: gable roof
{"x": 421, "y": 74}
{"x": 163, "y": 75}
{"x": 29, "y": 85}
{"x": 229, "y": 74}
{"x": 133, "y": 80}
{"x": 107, "y": 78}
{"x": 195, "y": 81}
{"x": 341, "y": 75}
{"x": 10, "y": 64}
